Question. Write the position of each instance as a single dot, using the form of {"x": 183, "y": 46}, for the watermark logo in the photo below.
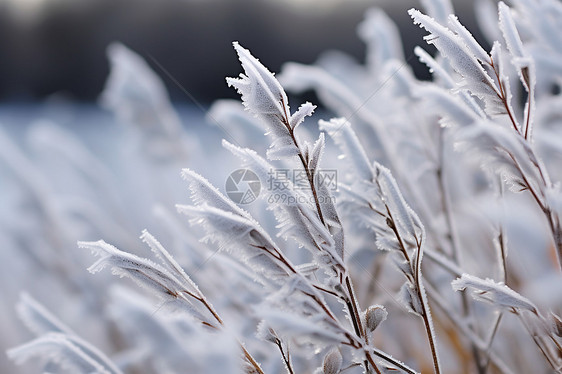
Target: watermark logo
{"x": 281, "y": 179}
{"x": 288, "y": 186}
{"x": 284, "y": 186}
{"x": 243, "y": 186}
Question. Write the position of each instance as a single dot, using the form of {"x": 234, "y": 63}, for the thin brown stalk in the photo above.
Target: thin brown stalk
{"x": 446, "y": 203}
{"x": 372, "y": 362}
{"x": 360, "y": 344}
{"x": 215, "y": 315}
{"x": 503, "y": 254}
{"x": 552, "y": 218}
{"x": 304, "y": 163}
{"x": 418, "y": 283}
{"x": 388, "y": 359}
{"x": 437, "y": 258}
{"x": 251, "y": 360}
{"x": 353, "y": 306}
{"x": 502, "y": 96}
{"x": 350, "y": 299}
{"x": 248, "y": 357}
{"x": 554, "y": 227}
{"x": 503, "y": 267}
{"x": 426, "y": 317}
{"x": 212, "y": 311}
{"x": 278, "y": 255}
{"x": 311, "y": 182}
{"x": 495, "y": 329}
{"x": 329, "y": 292}
{"x": 453, "y": 238}
{"x": 360, "y": 332}
{"x": 554, "y": 224}
{"x": 286, "y": 357}
{"x": 322, "y": 305}
{"x": 353, "y": 309}
{"x": 461, "y": 326}
{"x": 551, "y": 361}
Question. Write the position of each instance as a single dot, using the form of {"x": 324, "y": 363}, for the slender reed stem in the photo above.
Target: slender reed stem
{"x": 425, "y": 314}
{"x": 286, "y": 357}
{"x": 251, "y": 360}
{"x": 454, "y": 240}
{"x": 201, "y": 298}
{"x": 528, "y": 121}
{"x": 554, "y": 226}
{"x": 388, "y": 359}
{"x": 495, "y": 329}
{"x": 304, "y": 162}
{"x": 460, "y": 324}
{"x": 502, "y": 96}
{"x": 353, "y": 307}
{"x": 544, "y": 350}
{"x": 350, "y": 299}
{"x": 427, "y": 321}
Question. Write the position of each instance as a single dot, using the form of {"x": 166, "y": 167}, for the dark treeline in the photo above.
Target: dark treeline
{"x": 62, "y": 50}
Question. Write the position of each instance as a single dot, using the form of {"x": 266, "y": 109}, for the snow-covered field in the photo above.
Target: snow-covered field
{"x": 71, "y": 172}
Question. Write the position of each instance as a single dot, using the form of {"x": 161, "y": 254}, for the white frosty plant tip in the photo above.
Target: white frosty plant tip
{"x": 263, "y": 96}
{"x": 465, "y": 56}
{"x": 261, "y": 92}
{"x": 305, "y": 110}
{"x": 497, "y": 294}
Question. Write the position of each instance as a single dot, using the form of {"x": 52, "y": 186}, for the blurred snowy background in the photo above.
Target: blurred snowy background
{"x": 76, "y": 164}
{"x": 71, "y": 170}
{"x": 58, "y": 46}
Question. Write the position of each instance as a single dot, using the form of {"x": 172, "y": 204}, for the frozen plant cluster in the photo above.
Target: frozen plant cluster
{"x": 440, "y": 252}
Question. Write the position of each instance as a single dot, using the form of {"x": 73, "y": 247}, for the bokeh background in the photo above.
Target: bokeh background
{"x": 53, "y": 67}
{"x": 57, "y": 47}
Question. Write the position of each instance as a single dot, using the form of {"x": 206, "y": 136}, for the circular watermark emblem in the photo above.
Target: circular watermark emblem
{"x": 242, "y": 186}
